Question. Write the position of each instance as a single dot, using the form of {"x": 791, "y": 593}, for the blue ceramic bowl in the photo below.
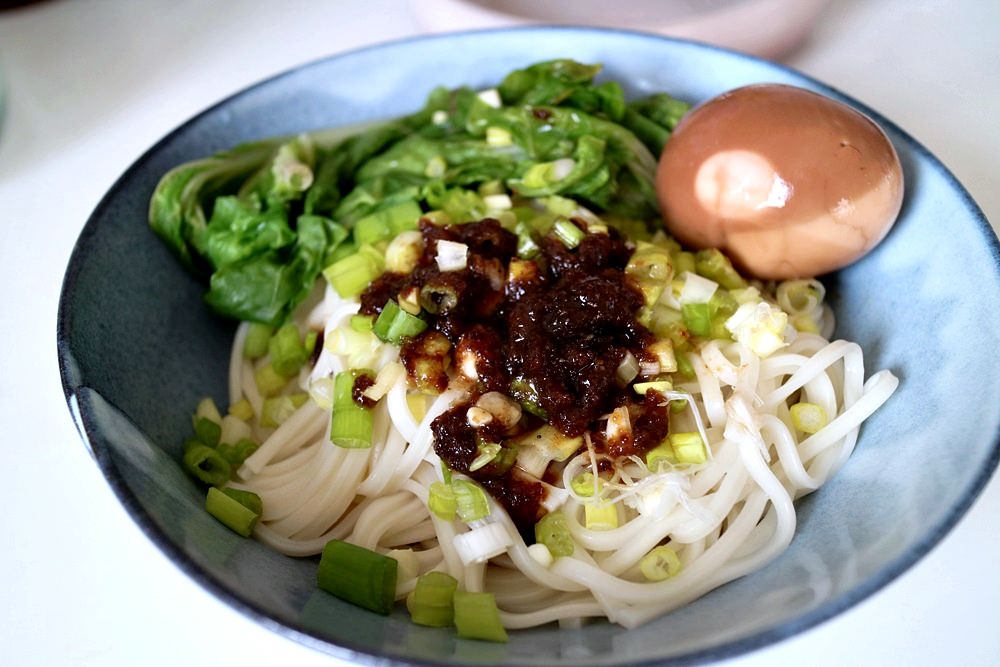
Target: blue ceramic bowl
{"x": 137, "y": 349}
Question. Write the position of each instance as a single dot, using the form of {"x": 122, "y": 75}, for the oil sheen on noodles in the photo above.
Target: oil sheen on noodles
{"x": 724, "y": 519}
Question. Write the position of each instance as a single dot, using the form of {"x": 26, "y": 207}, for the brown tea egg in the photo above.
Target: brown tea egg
{"x": 787, "y": 182}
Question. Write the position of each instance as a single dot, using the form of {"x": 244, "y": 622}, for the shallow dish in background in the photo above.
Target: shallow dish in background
{"x": 779, "y": 25}
{"x": 136, "y": 352}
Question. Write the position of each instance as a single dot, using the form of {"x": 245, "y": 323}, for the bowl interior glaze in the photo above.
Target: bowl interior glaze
{"x": 137, "y": 350}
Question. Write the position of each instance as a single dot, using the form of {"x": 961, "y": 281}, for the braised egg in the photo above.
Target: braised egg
{"x": 787, "y": 182}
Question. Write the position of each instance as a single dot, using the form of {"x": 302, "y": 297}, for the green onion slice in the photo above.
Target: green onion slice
{"x": 207, "y": 465}
{"x": 441, "y": 501}
{"x": 470, "y": 499}
{"x": 288, "y": 354}
{"x": 269, "y": 382}
{"x": 351, "y": 275}
{"x": 432, "y": 601}
{"x": 584, "y": 484}
{"x": 808, "y": 417}
{"x": 552, "y": 531}
{"x": 568, "y": 233}
{"x": 238, "y": 510}
{"x": 697, "y": 318}
{"x": 600, "y": 516}
{"x": 255, "y": 344}
{"x": 351, "y": 424}
{"x": 358, "y": 575}
{"x": 660, "y": 563}
{"x": 688, "y": 448}
{"x": 477, "y": 617}
{"x": 394, "y": 324}
{"x": 207, "y": 431}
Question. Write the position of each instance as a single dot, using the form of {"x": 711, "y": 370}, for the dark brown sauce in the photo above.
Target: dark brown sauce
{"x": 457, "y": 443}
{"x": 317, "y": 348}
{"x": 650, "y": 426}
{"x": 361, "y": 383}
{"x": 562, "y": 323}
{"x": 384, "y": 288}
{"x": 426, "y": 361}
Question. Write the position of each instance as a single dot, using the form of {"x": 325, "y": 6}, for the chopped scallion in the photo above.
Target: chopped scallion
{"x": 715, "y": 266}
{"x": 525, "y": 393}
{"x": 436, "y": 167}
{"x": 552, "y": 531}
{"x": 404, "y": 252}
{"x": 245, "y": 449}
{"x": 804, "y": 323}
{"x": 269, "y": 382}
{"x": 696, "y": 289}
{"x": 279, "y": 408}
{"x": 394, "y": 324}
{"x": 286, "y": 350}
{"x": 501, "y": 202}
{"x": 237, "y": 510}
{"x": 451, "y": 256}
{"x": 438, "y": 298}
{"x": 689, "y": 448}
{"x": 418, "y": 406}
{"x": 350, "y": 275}
{"x": 477, "y": 617}
{"x": 526, "y": 246}
{"x": 470, "y": 499}
{"x": 497, "y": 136}
{"x": 584, "y": 484}
{"x": 238, "y": 453}
{"x": 684, "y": 366}
{"x": 660, "y": 563}
{"x": 242, "y": 409}
{"x": 362, "y": 323}
{"x": 387, "y": 223}
{"x": 600, "y": 516}
{"x": 208, "y": 410}
{"x": 503, "y": 461}
{"x": 207, "y": 432}
{"x": 663, "y": 351}
{"x": 650, "y": 263}
{"x": 657, "y": 385}
{"x": 441, "y": 501}
{"x": 697, "y": 318}
{"x": 207, "y": 465}
{"x": 432, "y": 601}
{"x": 568, "y": 233}
{"x": 351, "y": 424}
{"x": 358, "y": 575}
{"x": 684, "y": 262}
{"x": 487, "y": 452}
{"x": 627, "y": 370}
{"x": 255, "y": 344}
{"x": 808, "y": 417}
{"x": 234, "y": 429}
{"x": 309, "y": 342}
{"x": 409, "y": 300}
{"x": 661, "y": 454}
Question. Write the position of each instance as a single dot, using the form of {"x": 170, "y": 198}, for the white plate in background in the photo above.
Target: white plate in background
{"x": 766, "y": 28}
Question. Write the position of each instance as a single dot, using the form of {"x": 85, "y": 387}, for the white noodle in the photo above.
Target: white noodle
{"x": 724, "y": 518}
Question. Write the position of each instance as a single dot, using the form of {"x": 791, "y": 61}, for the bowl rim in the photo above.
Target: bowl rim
{"x": 89, "y": 432}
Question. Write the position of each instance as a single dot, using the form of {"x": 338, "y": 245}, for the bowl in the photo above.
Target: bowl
{"x": 137, "y": 350}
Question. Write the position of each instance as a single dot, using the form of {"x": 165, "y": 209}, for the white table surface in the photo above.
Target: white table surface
{"x": 93, "y": 84}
